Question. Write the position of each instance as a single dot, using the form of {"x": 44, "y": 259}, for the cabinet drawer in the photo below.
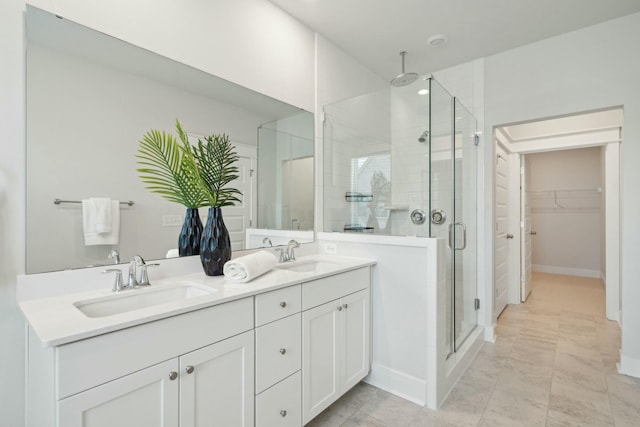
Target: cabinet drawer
{"x": 275, "y": 305}
{"x": 323, "y": 290}
{"x": 280, "y": 405}
{"x": 278, "y": 351}
{"x": 93, "y": 361}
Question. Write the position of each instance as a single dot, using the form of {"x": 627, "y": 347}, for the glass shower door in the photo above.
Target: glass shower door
{"x": 463, "y": 228}
{"x": 453, "y": 207}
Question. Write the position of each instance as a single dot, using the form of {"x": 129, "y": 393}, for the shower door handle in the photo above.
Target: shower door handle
{"x": 464, "y": 236}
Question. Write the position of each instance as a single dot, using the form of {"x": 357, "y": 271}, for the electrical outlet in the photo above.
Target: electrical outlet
{"x": 172, "y": 220}
{"x": 330, "y": 248}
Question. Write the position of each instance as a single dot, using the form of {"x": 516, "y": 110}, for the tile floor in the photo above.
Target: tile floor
{"x": 553, "y": 364}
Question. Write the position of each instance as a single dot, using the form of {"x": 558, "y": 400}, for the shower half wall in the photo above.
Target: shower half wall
{"x": 392, "y": 159}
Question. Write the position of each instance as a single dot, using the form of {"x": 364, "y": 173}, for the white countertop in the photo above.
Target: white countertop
{"x": 56, "y": 320}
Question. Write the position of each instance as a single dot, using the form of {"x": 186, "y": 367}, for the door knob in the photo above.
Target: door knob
{"x": 533, "y": 233}
{"x": 283, "y": 304}
{"x": 283, "y": 350}
{"x": 509, "y": 236}
{"x": 173, "y": 375}
{"x": 190, "y": 369}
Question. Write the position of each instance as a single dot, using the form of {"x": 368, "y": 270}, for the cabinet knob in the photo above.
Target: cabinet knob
{"x": 173, "y": 375}
{"x": 189, "y": 369}
{"x": 283, "y": 350}
{"x": 345, "y": 306}
{"x": 283, "y": 304}
{"x": 339, "y": 308}
{"x": 283, "y": 412}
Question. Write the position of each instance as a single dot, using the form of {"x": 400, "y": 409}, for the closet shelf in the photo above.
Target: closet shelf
{"x": 565, "y": 200}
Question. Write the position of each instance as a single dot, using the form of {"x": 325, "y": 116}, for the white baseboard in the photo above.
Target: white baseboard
{"x": 402, "y": 385}
{"x": 629, "y": 366}
{"x": 567, "y": 271}
{"x": 490, "y": 334}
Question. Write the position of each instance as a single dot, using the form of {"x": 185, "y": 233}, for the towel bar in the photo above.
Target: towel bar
{"x": 58, "y": 201}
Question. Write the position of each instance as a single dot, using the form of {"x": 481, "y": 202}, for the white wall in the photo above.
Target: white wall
{"x": 583, "y": 70}
{"x": 568, "y": 238}
{"x": 12, "y": 220}
{"x": 250, "y": 42}
{"x": 340, "y": 77}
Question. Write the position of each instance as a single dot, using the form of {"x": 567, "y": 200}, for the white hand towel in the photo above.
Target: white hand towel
{"x": 101, "y": 221}
{"x": 173, "y": 253}
{"x": 247, "y": 268}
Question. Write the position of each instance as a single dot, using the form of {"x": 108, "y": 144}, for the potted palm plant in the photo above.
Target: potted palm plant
{"x": 167, "y": 171}
{"x": 195, "y": 176}
{"x": 213, "y": 165}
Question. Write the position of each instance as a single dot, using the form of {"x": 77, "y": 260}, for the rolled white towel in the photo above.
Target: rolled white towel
{"x": 247, "y": 268}
{"x": 173, "y": 253}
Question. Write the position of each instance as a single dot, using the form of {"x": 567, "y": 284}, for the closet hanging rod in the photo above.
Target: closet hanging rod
{"x": 58, "y": 201}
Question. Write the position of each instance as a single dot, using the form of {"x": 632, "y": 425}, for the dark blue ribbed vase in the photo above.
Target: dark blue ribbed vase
{"x": 191, "y": 233}
{"x": 215, "y": 244}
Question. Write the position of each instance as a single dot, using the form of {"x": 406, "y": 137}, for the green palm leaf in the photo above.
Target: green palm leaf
{"x": 167, "y": 171}
{"x": 215, "y": 161}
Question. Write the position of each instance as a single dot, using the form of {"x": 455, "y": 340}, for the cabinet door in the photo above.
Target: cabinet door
{"x": 320, "y": 356}
{"x": 147, "y": 398}
{"x": 216, "y": 384}
{"x": 355, "y": 344}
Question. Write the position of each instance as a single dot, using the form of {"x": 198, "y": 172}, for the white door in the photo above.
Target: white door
{"x": 501, "y": 210}
{"x": 147, "y": 398}
{"x": 320, "y": 358}
{"x": 216, "y": 384}
{"x": 238, "y": 217}
{"x": 526, "y": 230}
{"x": 297, "y": 194}
{"x": 355, "y": 357}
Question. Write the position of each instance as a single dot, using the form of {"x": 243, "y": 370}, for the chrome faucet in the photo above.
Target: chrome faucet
{"x": 115, "y": 256}
{"x": 291, "y": 256}
{"x": 267, "y": 241}
{"x": 133, "y": 264}
{"x": 287, "y": 255}
{"x": 118, "y": 284}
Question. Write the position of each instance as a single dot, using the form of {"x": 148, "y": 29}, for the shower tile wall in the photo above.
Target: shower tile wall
{"x": 353, "y": 129}
{"x": 409, "y": 158}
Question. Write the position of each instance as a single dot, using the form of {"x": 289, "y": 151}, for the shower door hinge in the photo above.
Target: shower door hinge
{"x": 476, "y": 304}
{"x": 323, "y": 117}
{"x": 251, "y": 172}
{"x": 476, "y": 139}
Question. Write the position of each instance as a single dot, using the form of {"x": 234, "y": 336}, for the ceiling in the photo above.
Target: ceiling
{"x": 375, "y": 31}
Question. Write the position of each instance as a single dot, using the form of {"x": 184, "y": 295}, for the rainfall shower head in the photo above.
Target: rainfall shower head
{"x": 403, "y": 79}
{"x": 424, "y": 136}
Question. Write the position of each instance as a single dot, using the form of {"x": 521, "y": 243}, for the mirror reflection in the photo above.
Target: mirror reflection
{"x": 91, "y": 98}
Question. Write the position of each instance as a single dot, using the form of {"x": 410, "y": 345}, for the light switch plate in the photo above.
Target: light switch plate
{"x": 171, "y": 220}
{"x": 331, "y": 248}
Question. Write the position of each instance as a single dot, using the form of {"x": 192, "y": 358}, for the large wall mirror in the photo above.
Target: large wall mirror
{"x": 91, "y": 98}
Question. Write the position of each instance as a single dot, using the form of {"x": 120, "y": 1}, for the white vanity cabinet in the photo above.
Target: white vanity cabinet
{"x": 164, "y": 373}
{"x": 213, "y": 383}
{"x": 144, "y": 398}
{"x": 275, "y": 357}
{"x": 335, "y": 338}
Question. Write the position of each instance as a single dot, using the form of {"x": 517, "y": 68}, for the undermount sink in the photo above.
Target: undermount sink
{"x": 310, "y": 266}
{"x": 139, "y": 298}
